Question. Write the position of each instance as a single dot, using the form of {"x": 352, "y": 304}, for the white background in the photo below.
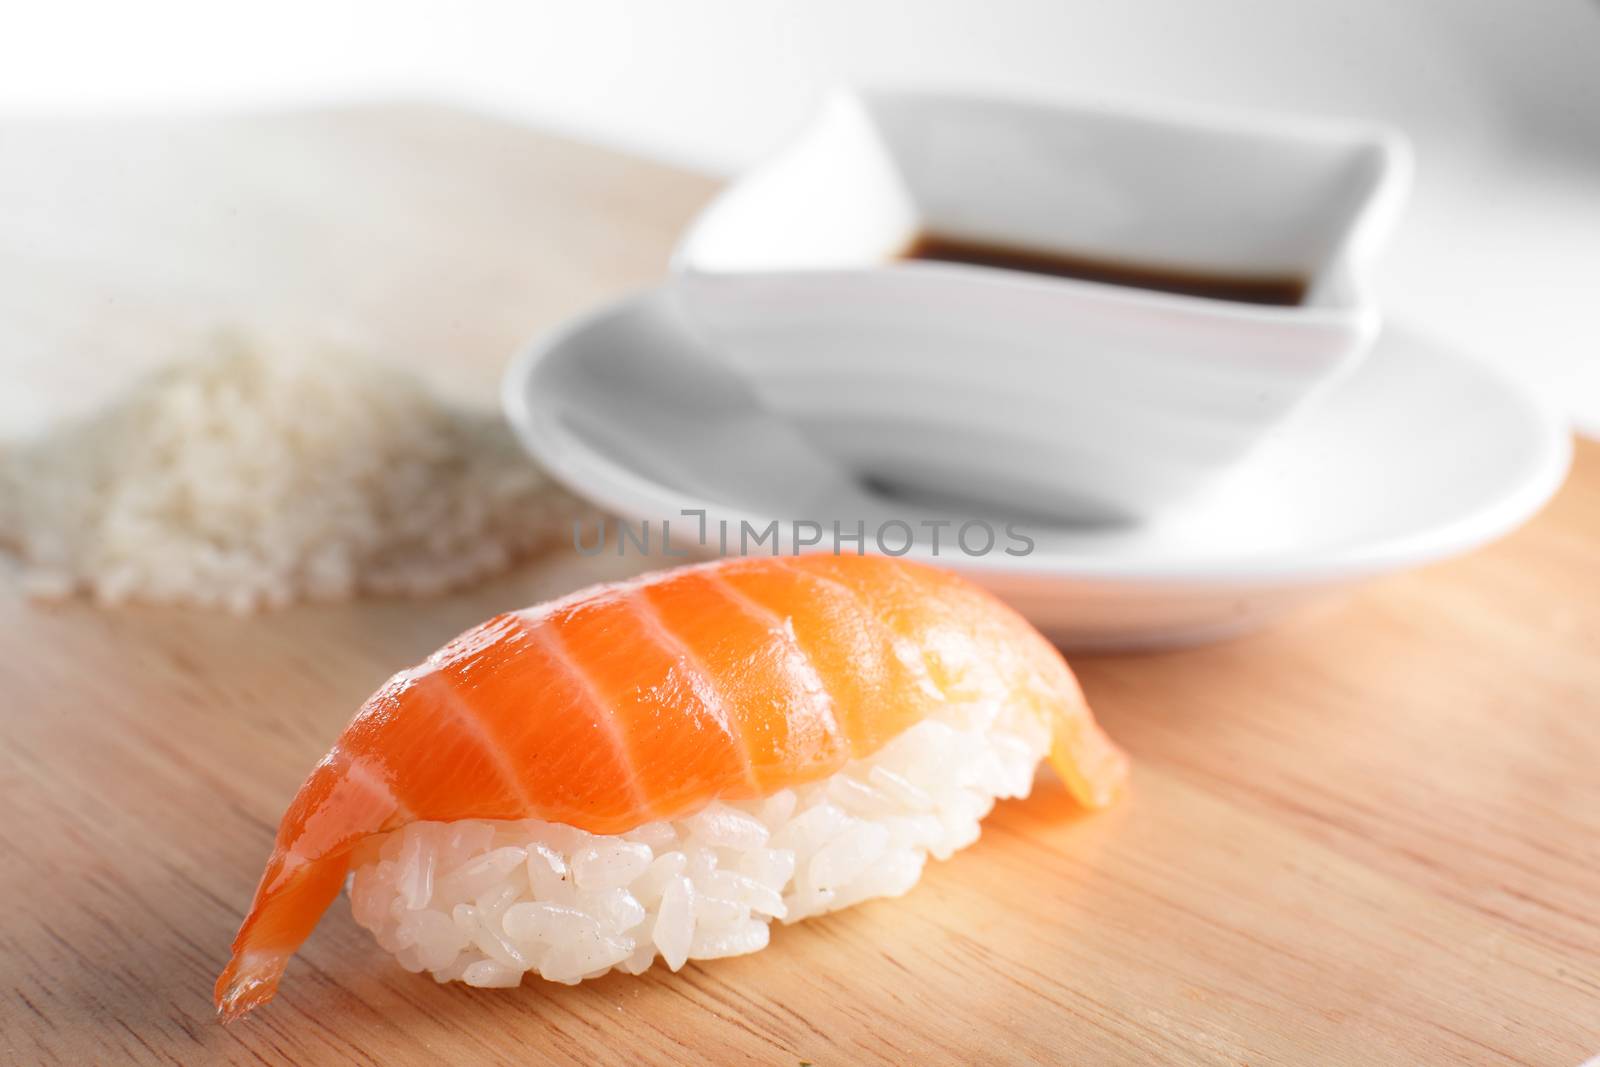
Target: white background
{"x": 1500, "y": 252}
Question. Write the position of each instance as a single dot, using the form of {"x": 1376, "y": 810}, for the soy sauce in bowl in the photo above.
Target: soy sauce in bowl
{"x": 1277, "y": 290}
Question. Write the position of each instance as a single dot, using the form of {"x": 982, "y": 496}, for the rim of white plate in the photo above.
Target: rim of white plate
{"x": 596, "y": 477}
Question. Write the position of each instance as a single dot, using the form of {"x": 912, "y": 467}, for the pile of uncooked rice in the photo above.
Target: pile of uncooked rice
{"x": 246, "y": 479}
{"x": 486, "y": 902}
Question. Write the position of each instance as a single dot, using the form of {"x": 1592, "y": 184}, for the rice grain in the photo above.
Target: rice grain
{"x": 248, "y": 479}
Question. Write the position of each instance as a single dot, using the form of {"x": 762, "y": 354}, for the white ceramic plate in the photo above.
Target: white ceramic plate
{"x": 1419, "y": 455}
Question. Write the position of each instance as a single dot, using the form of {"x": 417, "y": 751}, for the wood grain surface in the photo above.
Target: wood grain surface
{"x": 1368, "y": 836}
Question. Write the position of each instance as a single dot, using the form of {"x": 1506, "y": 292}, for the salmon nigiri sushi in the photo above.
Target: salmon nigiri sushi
{"x": 661, "y": 767}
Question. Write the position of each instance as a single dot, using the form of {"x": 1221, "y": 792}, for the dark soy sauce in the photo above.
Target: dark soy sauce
{"x": 1280, "y": 290}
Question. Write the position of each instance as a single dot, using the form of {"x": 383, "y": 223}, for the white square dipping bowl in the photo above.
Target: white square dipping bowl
{"x": 1025, "y": 392}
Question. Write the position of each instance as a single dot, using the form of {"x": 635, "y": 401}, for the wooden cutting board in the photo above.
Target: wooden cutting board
{"x": 1371, "y": 835}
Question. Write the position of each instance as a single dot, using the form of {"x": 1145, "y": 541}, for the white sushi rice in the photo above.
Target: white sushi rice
{"x": 259, "y": 473}
{"x": 487, "y": 902}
